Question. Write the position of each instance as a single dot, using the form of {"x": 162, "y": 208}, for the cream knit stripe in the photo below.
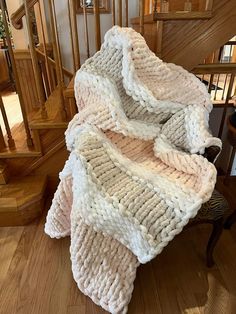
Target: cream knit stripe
{"x": 102, "y": 267}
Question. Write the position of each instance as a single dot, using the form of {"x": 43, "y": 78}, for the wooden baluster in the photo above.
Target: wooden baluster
{"x": 210, "y": 83}
{"x": 74, "y": 34}
{"x": 126, "y": 13}
{"x": 97, "y": 24}
{"x": 226, "y": 105}
{"x": 147, "y": 7}
{"x": 113, "y": 12}
{"x": 71, "y": 36}
{"x": 216, "y": 86}
{"x": 10, "y": 140}
{"x": 2, "y": 140}
{"x": 155, "y": 7}
{"x": 57, "y": 56}
{"x": 120, "y": 12}
{"x": 209, "y": 4}
{"x": 225, "y": 81}
{"x": 45, "y": 49}
{"x": 35, "y": 63}
{"x": 15, "y": 73}
{"x": 86, "y": 29}
{"x": 141, "y": 14}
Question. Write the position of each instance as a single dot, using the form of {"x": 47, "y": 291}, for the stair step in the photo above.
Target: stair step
{"x": 21, "y": 149}
{"x": 22, "y": 200}
{"x": 54, "y": 119}
{"x": 4, "y": 174}
{"x": 179, "y": 15}
{"x": 182, "y": 15}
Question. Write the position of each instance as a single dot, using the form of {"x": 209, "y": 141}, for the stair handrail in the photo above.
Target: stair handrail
{"x": 16, "y": 17}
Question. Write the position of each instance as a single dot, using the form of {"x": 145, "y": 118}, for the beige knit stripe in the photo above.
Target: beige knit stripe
{"x": 98, "y": 279}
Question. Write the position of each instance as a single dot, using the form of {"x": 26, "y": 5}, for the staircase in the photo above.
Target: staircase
{"x": 29, "y": 174}
{"x": 29, "y": 168}
{"x": 187, "y": 38}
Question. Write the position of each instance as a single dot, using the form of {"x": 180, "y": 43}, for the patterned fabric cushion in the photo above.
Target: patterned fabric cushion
{"x": 214, "y": 209}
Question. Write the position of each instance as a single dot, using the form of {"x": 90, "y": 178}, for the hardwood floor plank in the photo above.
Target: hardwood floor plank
{"x": 9, "y": 241}
{"x": 36, "y": 277}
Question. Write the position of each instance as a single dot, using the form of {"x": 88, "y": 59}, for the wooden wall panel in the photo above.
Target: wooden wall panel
{"x": 27, "y": 80}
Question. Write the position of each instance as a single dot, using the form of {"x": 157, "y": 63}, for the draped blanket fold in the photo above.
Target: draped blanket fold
{"x": 135, "y": 175}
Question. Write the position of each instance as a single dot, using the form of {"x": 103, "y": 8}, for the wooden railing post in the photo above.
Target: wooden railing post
{"x": 120, "y": 12}
{"x": 45, "y": 49}
{"x": 35, "y": 63}
{"x": 97, "y": 24}
{"x": 10, "y": 140}
{"x": 86, "y": 29}
{"x": 57, "y": 56}
{"x": 209, "y": 4}
{"x": 229, "y": 92}
{"x": 2, "y": 141}
{"x": 74, "y": 34}
{"x": 126, "y": 13}
{"x": 113, "y": 12}
{"x": 141, "y": 14}
{"x": 155, "y": 6}
{"x": 16, "y": 77}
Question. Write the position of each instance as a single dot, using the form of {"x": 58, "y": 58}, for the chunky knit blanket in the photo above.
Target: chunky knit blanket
{"x": 135, "y": 175}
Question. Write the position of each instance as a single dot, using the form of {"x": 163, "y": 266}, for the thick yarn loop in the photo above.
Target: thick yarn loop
{"x": 135, "y": 174}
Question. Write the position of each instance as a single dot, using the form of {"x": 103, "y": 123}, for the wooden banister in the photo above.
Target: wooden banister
{"x": 97, "y": 24}
{"x": 10, "y": 140}
{"x": 120, "y": 12}
{"x": 52, "y": 63}
{"x": 215, "y": 68}
{"x": 45, "y": 51}
{"x": 35, "y": 64}
{"x": 57, "y": 56}
{"x": 113, "y": 12}
{"x": 86, "y": 36}
{"x": 74, "y": 34}
{"x": 16, "y": 17}
{"x": 2, "y": 141}
{"x": 15, "y": 73}
{"x": 126, "y": 13}
{"x": 141, "y": 16}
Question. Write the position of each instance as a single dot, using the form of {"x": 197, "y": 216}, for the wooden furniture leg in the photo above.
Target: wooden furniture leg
{"x": 218, "y": 226}
{"x": 230, "y": 220}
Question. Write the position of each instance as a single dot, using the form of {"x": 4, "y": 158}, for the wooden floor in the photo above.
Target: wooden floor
{"x": 35, "y": 275}
{"x": 12, "y": 107}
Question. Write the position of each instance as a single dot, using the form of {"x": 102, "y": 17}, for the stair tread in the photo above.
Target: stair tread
{"x": 179, "y": 15}
{"x": 21, "y": 149}
{"x": 20, "y": 192}
{"x": 54, "y": 119}
{"x": 182, "y": 15}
